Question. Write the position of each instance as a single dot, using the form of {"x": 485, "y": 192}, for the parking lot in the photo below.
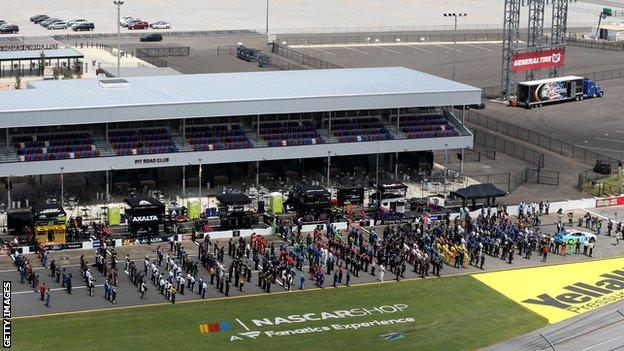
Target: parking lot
{"x": 477, "y": 63}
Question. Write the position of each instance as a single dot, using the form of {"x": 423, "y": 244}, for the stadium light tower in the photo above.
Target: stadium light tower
{"x": 118, "y": 3}
{"x": 455, "y": 16}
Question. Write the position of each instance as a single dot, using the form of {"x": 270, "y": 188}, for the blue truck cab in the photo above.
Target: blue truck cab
{"x": 591, "y": 89}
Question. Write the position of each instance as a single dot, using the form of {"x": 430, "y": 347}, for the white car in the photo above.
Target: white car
{"x": 75, "y": 21}
{"x": 126, "y": 20}
{"x": 58, "y": 25}
{"x": 160, "y": 25}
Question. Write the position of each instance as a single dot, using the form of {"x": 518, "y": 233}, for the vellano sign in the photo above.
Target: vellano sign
{"x": 562, "y": 291}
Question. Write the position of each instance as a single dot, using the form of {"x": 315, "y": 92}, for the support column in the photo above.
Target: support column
{"x": 257, "y": 175}
{"x": 8, "y": 142}
{"x": 184, "y": 130}
{"x": 107, "y": 187}
{"x": 107, "y": 146}
{"x": 396, "y": 166}
{"x": 9, "y": 186}
{"x": 328, "y": 168}
{"x": 200, "y": 180}
{"x": 258, "y": 128}
{"x": 377, "y": 166}
{"x": 329, "y": 125}
{"x": 461, "y": 162}
{"x": 445, "y": 164}
{"x": 183, "y": 181}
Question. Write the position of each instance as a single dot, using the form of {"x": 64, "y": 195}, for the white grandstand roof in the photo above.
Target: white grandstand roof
{"x": 81, "y": 101}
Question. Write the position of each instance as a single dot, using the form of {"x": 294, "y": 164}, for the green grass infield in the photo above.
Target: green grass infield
{"x": 451, "y": 313}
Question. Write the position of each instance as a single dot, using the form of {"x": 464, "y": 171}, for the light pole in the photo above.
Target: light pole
{"x": 62, "y": 188}
{"x": 454, "y": 15}
{"x": 267, "y": 19}
{"x": 118, "y": 3}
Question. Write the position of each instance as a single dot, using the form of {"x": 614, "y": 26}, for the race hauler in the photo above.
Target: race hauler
{"x": 390, "y": 199}
{"x": 544, "y": 91}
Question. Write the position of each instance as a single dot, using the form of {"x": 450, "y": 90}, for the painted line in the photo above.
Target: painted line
{"x": 600, "y": 148}
{"x": 242, "y": 324}
{"x": 611, "y": 140}
{"x": 421, "y": 49}
{"x": 390, "y": 50}
{"x": 55, "y": 289}
{"x": 479, "y": 47}
{"x": 449, "y": 48}
{"x": 602, "y": 342}
{"x": 356, "y": 50}
{"x": 325, "y": 51}
{"x": 416, "y": 43}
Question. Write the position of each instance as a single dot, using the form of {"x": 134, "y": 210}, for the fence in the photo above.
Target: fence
{"x": 501, "y": 180}
{"x": 275, "y": 61}
{"x": 377, "y": 38}
{"x": 162, "y": 52}
{"x": 302, "y": 58}
{"x": 575, "y": 39}
{"x": 173, "y": 34}
{"x": 507, "y": 147}
{"x": 485, "y": 151}
{"x": 156, "y": 61}
{"x": 595, "y": 184}
{"x": 534, "y": 138}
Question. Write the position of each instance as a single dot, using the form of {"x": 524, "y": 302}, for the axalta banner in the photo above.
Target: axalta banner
{"x": 610, "y": 201}
{"x": 561, "y": 291}
{"x": 537, "y": 60}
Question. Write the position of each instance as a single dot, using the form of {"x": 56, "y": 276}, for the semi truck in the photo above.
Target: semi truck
{"x": 544, "y": 91}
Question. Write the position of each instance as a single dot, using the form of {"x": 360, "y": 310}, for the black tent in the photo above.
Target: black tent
{"x": 234, "y": 199}
{"x": 476, "y": 192}
{"x": 47, "y": 211}
{"x": 479, "y": 191}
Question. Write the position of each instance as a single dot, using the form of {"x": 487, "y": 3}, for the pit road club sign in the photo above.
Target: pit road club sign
{"x": 538, "y": 60}
{"x": 561, "y": 291}
{"x": 316, "y": 322}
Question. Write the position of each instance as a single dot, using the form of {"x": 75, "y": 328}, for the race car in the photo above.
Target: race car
{"x": 572, "y": 237}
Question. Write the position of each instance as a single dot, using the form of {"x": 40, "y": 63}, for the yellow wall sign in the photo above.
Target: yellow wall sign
{"x": 561, "y": 291}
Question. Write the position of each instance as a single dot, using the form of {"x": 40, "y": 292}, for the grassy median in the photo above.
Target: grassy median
{"x": 451, "y": 313}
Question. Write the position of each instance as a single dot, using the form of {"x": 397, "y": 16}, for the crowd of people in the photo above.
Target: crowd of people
{"x": 327, "y": 256}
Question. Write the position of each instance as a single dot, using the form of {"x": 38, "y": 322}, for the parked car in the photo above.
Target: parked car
{"x": 138, "y": 25}
{"x": 9, "y": 28}
{"x": 33, "y": 18}
{"x": 83, "y": 26}
{"x": 572, "y": 237}
{"x": 152, "y": 37}
{"x": 602, "y": 167}
{"x": 57, "y": 25}
{"x": 49, "y": 21}
{"x": 41, "y": 18}
{"x": 160, "y": 25}
{"x": 127, "y": 20}
{"x": 75, "y": 21}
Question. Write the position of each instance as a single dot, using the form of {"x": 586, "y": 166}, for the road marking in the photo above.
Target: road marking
{"x": 602, "y": 342}
{"x": 390, "y": 50}
{"x": 55, "y": 289}
{"x": 599, "y": 148}
{"x": 479, "y": 47}
{"x": 449, "y": 48}
{"x": 325, "y": 51}
{"x": 611, "y": 140}
{"x": 360, "y": 51}
{"x": 417, "y": 48}
{"x": 241, "y": 323}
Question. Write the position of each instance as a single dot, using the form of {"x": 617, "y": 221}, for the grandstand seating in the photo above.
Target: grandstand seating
{"x": 58, "y": 146}
{"x": 357, "y": 129}
{"x": 217, "y": 137}
{"x": 427, "y": 126}
{"x": 290, "y": 133}
{"x": 142, "y": 142}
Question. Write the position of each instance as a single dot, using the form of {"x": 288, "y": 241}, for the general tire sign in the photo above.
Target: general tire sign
{"x": 537, "y": 60}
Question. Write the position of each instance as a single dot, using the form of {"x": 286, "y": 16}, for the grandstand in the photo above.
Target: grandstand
{"x": 90, "y": 125}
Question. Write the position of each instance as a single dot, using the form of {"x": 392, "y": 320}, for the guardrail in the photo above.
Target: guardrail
{"x": 162, "y": 52}
{"x": 183, "y": 34}
{"x": 575, "y": 39}
{"x": 380, "y": 38}
{"x": 302, "y": 58}
{"x": 534, "y": 138}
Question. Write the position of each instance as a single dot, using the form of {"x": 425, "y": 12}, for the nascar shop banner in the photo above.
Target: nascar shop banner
{"x": 537, "y": 60}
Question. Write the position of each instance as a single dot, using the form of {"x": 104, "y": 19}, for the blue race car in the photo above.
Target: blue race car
{"x": 571, "y": 238}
